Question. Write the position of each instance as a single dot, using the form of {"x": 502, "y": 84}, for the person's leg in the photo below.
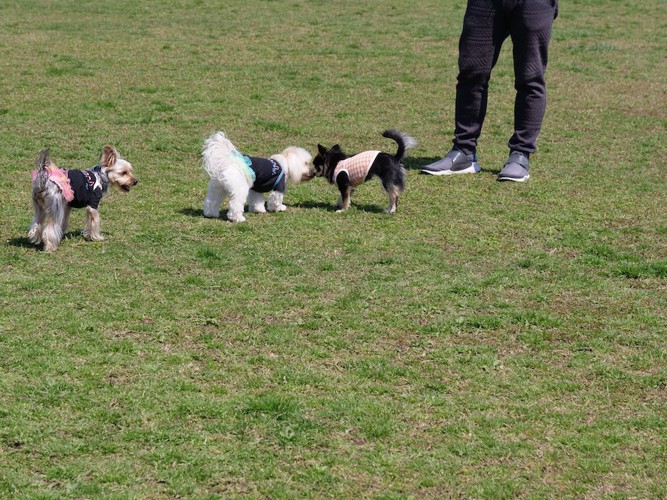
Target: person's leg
{"x": 481, "y": 39}
{"x": 530, "y": 28}
{"x": 484, "y": 31}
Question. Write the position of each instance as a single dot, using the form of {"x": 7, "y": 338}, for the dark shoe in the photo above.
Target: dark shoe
{"x": 454, "y": 162}
{"x": 516, "y": 169}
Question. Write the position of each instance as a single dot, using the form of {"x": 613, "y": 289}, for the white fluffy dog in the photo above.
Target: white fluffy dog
{"x": 242, "y": 178}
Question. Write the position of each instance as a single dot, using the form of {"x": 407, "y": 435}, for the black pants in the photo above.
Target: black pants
{"x": 486, "y": 25}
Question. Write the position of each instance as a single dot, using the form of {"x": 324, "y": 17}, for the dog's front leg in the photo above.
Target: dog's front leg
{"x": 275, "y": 202}
{"x": 345, "y": 188}
{"x": 343, "y": 202}
{"x": 92, "y": 229}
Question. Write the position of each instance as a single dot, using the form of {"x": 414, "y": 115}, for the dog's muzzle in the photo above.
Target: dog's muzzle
{"x": 127, "y": 188}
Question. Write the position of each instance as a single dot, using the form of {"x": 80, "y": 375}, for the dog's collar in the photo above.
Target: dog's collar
{"x": 102, "y": 176}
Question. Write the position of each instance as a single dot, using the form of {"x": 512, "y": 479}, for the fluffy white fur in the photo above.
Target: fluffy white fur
{"x": 229, "y": 178}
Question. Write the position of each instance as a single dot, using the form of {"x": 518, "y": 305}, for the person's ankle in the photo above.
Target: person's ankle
{"x": 470, "y": 154}
{"x": 527, "y": 155}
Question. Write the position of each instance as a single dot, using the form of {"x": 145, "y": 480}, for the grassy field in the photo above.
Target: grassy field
{"x": 488, "y": 340}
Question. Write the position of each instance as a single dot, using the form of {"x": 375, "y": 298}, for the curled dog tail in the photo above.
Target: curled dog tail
{"x": 219, "y": 154}
{"x": 41, "y": 175}
{"x": 404, "y": 142}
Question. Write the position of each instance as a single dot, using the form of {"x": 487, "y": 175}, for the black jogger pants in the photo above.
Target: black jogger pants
{"x": 486, "y": 25}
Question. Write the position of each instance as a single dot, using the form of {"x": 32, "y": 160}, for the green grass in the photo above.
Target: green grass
{"x": 488, "y": 340}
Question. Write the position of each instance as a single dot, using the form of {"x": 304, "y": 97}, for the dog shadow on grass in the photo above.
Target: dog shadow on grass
{"x": 329, "y": 207}
{"x": 24, "y": 242}
{"x": 191, "y": 212}
{"x": 417, "y": 163}
{"x": 309, "y": 205}
{"x": 199, "y": 213}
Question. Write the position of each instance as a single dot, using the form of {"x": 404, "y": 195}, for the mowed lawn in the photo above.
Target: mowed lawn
{"x": 488, "y": 340}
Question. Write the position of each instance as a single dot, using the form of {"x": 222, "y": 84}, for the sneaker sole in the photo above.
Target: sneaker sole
{"x": 514, "y": 179}
{"x": 472, "y": 169}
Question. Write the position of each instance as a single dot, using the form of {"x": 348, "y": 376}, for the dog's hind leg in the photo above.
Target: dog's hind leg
{"x": 35, "y": 231}
{"x": 394, "y": 185}
{"x": 51, "y": 236}
{"x": 393, "y": 193}
{"x": 214, "y": 198}
{"x": 52, "y": 232}
{"x": 237, "y": 201}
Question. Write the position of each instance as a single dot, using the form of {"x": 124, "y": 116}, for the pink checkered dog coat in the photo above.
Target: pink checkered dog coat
{"x": 356, "y": 167}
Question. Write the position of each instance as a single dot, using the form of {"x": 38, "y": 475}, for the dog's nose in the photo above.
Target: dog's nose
{"x": 136, "y": 181}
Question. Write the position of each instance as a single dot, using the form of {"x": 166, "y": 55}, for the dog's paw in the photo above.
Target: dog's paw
{"x": 390, "y": 211}
{"x": 236, "y": 218}
{"x": 275, "y": 203}
{"x": 258, "y": 209}
{"x": 35, "y": 235}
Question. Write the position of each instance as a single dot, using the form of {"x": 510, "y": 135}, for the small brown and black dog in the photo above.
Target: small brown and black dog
{"x": 348, "y": 172}
{"x": 55, "y": 191}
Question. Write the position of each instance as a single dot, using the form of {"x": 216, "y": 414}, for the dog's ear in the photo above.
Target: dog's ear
{"x": 109, "y": 156}
{"x": 322, "y": 149}
{"x": 336, "y": 147}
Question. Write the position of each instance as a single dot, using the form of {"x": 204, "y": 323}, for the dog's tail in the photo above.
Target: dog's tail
{"x": 219, "y": 154}
{"x": 404, "y": 142}
{"x": 41, "y": 175}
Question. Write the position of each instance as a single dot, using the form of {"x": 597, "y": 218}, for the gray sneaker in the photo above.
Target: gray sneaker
{"x": 454, "y": 162}
{"x": 516, "y": 168}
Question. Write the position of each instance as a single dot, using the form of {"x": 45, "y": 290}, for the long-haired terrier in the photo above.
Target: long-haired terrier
{"x": 55, "y": 191}
{"x": 246, "y": 178}
{"x": 348, "y": 172}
